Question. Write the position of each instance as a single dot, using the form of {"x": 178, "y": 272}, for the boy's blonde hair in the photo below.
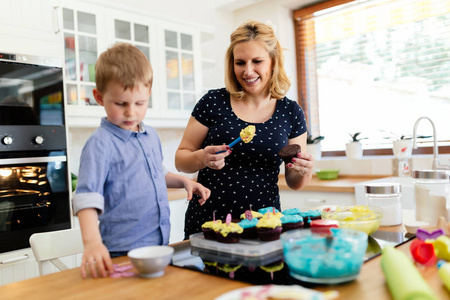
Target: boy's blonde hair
{"x": 123, "y": 63}
{"x": 262, "y": 33}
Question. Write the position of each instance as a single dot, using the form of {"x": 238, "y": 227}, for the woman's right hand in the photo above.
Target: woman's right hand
{"x": 214, "y": 156}
{"x": 192, "y": 157}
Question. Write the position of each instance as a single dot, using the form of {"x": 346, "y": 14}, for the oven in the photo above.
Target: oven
{"x": 34, "y": 181}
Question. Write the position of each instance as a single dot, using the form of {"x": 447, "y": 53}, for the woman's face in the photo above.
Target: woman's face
{"x": 252, "y": 67}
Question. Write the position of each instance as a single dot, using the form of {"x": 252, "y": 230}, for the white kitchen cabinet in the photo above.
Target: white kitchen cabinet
{"x": 177, "y": 217}
{"x": 31, "y": 27}
{"x": 174, "y": 50}
{"x": 20, "y": 265}
{"x": 305, "y": 200}
{"x": 17, "y": 265}
{"x": 84, "y": 39}
{"x": 138, "y": 30}
{"x": 181, "y": 71}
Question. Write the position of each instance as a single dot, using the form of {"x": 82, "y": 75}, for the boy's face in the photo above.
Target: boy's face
{"x": 125, "y": 109}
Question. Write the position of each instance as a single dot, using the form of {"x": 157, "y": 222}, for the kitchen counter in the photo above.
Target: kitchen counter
{"x": 175, "y": 194}
{"x": 179, "y": 283}
{"x": 343, "y": 184}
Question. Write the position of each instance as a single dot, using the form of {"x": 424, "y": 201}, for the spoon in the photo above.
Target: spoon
{"x": 245, "y": 135}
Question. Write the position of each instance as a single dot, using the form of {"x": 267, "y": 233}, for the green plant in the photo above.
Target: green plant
{"x": 355, "y": 137}
{"x": 316, "y": 140}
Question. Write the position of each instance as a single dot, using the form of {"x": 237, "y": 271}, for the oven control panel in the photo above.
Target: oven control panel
{"x": 32, "y": 138}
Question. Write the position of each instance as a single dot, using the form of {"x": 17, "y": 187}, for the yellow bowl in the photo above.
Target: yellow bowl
{"x": 363, "y": 218}
{"x": 327, "y": 174}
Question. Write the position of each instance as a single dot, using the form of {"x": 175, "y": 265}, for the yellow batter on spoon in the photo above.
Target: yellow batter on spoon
{"x": 248, "y": 133}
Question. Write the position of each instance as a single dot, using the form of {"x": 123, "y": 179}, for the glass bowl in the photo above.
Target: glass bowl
{"x": 329, "y": 258}
{"x": 364, "y": 218}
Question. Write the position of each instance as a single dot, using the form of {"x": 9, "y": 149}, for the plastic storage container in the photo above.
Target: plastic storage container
{"x": 388, "y": 197}
{"x": 431, "y": 190}
{"x": 324, "y": 258}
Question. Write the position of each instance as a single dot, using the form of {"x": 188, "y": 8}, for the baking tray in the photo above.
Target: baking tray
{"x": 245, "y": 247}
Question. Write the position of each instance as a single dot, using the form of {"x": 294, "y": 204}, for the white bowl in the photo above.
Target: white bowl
{"x": 151, "y": 261}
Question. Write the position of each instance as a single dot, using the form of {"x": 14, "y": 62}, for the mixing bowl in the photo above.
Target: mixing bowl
{"x": 364, "y": 218}
{"x": 324, "y": 258}
{"x": 151, "y": 261}
{"x": 327, "y": 174}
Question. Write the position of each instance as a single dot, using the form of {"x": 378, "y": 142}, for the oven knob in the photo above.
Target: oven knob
{"x": 7, "y": 140}
{"x": 39, "y": 140}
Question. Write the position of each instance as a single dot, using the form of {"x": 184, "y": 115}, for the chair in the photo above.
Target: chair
{"x": 48, "y": 247}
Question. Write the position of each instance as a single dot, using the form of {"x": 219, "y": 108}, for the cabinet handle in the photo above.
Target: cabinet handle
{"x": 14, "y": 259}
{"x": 56, "y": 20}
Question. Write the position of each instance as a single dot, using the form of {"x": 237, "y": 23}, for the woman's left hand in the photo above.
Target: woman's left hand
{"x": 303, "y": 163}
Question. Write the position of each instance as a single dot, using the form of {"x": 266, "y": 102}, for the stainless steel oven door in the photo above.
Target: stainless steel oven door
{"x": 34, "y": 197}
{"x": 31, "y": 90}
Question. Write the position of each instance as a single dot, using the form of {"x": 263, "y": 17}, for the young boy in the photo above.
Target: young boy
{"x": 122, "y": 181}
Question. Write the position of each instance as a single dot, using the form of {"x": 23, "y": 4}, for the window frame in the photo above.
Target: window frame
{"x": 310, "y": 106}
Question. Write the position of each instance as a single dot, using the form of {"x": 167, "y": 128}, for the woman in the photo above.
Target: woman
{"x": 245, "y": 176}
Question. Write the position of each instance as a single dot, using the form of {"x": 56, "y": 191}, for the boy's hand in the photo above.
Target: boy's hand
{"x": 193, "y": 187}
{"x": 96, "y": 258}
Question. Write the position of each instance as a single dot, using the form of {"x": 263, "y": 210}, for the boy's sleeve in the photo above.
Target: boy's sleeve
{"x": 91, "y": 177}
{"x": 165, "y": 170}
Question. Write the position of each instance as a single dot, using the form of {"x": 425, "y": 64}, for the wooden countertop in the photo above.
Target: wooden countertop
{"x": 175, "y": 194}
{"x": 178, "y": 283}
{"x": 343, "y": 184}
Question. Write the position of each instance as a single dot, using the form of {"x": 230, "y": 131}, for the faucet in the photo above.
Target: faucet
{"x": 436, "y": 165}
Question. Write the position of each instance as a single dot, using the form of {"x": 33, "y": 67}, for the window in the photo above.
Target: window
{"x": 375, "y": 67}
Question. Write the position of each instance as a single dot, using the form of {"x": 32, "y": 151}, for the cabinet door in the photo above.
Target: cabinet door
{"x": 17, "y": 265}
{"x": 31, "y": 27}
{"x": 83, "y": 42}
{"x": 177, "y": 216}
{"x": 139, "y": 31}
{"x": 181, "y": 86}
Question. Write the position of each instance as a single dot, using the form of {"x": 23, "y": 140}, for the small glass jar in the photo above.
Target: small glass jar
{"x": 431, "y": 192}
{"x": 388, "y": 197}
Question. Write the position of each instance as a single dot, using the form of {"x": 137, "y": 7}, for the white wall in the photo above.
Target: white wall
{"x": 281, "y": 18}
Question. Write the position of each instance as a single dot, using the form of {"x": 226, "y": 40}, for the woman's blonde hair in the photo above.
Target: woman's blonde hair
{"x": 260, "y": 32}
{"x": 123, "y": 63}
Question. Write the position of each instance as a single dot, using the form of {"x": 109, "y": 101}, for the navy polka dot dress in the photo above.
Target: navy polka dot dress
{"x": 251, "y": 171}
